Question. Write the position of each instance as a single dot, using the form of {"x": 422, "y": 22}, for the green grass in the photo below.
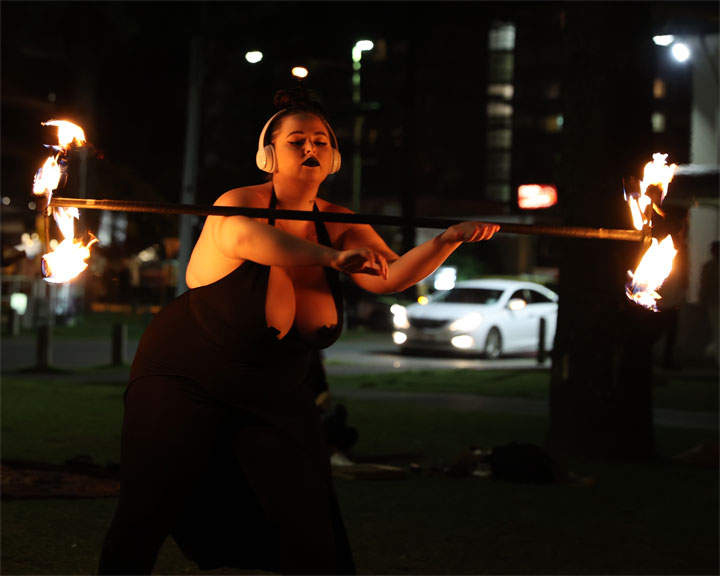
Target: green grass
{"x": 674, "y": 392}
{"x": 52, "y": 420}
{"x": 657, "y": 517}
{"x": 97, "y": 325}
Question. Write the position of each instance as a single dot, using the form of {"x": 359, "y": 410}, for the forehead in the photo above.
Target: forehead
{"x": 303, "y": 122}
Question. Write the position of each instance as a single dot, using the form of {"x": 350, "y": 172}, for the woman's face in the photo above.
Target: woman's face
{"x": 303, "y": 147}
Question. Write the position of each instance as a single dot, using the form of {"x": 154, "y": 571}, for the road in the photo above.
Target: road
{"x": 352, "y": 354}
{"x": 366, "y": 352}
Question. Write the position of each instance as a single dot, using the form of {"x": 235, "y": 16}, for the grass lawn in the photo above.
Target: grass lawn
{"x": 656, "y": 517}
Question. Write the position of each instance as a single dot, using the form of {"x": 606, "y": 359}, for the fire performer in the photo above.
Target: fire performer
{"x": 222, "y": 443}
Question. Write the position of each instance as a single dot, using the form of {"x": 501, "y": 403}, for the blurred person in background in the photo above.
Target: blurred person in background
{"x": 710, "y": 298}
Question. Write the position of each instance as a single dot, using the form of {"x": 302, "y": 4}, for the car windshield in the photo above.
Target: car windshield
{"x": 469, "y": 296}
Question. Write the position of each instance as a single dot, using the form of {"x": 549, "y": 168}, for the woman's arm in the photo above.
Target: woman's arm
{"x": 242, "y": 238}
{"x": 418, "y": 263}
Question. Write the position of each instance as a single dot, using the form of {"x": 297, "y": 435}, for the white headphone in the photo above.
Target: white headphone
{"x": 265, "y": 157}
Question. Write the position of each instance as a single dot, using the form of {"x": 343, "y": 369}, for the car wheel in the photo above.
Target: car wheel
{"x": 493, "y": 344}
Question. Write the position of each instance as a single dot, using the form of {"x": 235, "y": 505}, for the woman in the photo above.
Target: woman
{"x": 222, "y": 443}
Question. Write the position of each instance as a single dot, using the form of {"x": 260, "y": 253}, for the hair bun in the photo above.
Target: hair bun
{"x": 298, "y": 98}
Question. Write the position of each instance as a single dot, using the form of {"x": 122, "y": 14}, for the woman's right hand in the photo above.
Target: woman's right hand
{"x": 469, "y": 232}
{"x": 361, "y": 261}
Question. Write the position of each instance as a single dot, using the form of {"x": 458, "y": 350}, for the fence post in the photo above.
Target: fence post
{"x": 541, "y": 353}
{"x": 119, "y": 344}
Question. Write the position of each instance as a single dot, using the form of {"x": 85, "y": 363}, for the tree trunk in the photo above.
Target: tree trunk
{"x": 601, "y": 381}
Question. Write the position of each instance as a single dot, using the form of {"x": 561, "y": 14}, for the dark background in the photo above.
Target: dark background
{"x": 121, "y": 70}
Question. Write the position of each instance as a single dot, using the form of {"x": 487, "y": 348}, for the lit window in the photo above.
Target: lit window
{"x": 659, "y": 88}
{"x": 501, "y": 67}
{"x": 554, "y": 123}
{"x": 498, "y": 191}
{"x": 499, "y": 110}
{"x": 504, "y": 91}
{"x": 499, "y": 139}
{"x": 658, "y": 122}
{"x": 501, "y": 36}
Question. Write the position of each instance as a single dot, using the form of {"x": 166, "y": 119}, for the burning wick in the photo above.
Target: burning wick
{"x": 47, "y": 179}
{"x": 656, "y": 173}
{"x": 656, "y": 264}
{"x": 69, "y": 258}
{"x": 650, "y": 274}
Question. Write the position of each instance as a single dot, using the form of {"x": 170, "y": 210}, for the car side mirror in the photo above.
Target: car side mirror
{"x": 517, "y": 304}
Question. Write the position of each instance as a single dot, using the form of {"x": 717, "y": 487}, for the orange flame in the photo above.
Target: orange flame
{"x": 656, "y": 264}
{"x": 69, "y": 257}
{"x": 48, "y": 177}
{"x": 656, "y": 173}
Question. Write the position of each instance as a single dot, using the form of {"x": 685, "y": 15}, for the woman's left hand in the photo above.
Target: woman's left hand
{"x": 361, "y": 261}
{"x": 469, "y": 232}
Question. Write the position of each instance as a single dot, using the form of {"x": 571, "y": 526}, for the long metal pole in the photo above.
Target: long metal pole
{"x": 353, "y": 218}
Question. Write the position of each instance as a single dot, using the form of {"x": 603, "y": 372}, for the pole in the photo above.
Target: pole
{"x": 190, "y": 166}
{"x": 353, "y": 218}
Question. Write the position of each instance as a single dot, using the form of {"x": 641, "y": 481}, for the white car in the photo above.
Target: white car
{"x": 492, "y": 317}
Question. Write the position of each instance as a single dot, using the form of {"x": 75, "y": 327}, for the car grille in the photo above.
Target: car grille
{"x": 426, "y": 323}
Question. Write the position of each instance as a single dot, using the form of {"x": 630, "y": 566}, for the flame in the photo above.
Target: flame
{"x": 656, "y": 173}
{"x": 68, "y": 133}
{"x": 656, "y": 264}
{"x": 70, "y": 257}
{"x": 47, "y": 178}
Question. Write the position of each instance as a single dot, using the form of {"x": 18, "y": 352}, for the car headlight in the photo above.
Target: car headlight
{"x": 399, "y": 337}
{"x": 400, "y": 319}
{"x": 466, "y": 323}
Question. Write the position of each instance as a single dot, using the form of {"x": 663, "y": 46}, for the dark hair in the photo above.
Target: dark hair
{"x": 298, "y": 99}
{"x": 295, "y": 101}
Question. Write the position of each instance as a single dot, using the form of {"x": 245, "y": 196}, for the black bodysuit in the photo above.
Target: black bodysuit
{"x": 222, "y": 443}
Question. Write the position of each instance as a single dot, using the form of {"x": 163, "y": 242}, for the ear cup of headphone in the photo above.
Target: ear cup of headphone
{"x": 336, "y": 161}
{"x": 265, "y": 159}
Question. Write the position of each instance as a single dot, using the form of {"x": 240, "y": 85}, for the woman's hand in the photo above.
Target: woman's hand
{"x": 469, "y": 232}
{"x": 361, "y": 261}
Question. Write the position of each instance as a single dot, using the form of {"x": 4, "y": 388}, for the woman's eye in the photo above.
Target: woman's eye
{"x": 297, "y": 143}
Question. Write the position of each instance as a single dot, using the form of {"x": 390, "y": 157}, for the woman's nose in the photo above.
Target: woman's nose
{"x": 309, "y": 147}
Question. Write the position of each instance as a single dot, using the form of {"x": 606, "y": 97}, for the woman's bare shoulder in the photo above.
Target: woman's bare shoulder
{"x": 251, "y": 196}
{"x": 325, "y": 206}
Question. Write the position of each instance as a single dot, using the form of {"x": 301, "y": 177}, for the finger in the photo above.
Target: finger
{"x": 378, "y": 264}
{"x": 383, "y": 266}
{"x": 473, "y": 234}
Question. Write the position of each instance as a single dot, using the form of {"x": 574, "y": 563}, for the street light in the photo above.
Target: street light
{"x": 299, "y": 72}
{"x": 360, "y": 47}
{"x": 680, "y": 51}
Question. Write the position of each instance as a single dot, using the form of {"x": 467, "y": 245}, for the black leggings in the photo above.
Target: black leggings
{"x": 170, "y": 436}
